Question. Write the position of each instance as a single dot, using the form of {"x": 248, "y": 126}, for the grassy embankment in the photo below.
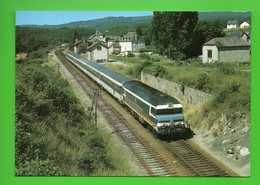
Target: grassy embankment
{"x": 229, "y": 85}
{"x": 54, "y": 135}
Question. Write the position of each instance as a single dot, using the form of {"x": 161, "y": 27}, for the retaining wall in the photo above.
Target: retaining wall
{"x": 182, "y": 93}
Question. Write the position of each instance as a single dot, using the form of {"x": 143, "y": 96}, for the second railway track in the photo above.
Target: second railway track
{"x": 153, "y": 163}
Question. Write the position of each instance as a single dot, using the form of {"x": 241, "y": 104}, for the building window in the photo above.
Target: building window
{"x": 209, "y": 53}
{"x": 99, "y": 48}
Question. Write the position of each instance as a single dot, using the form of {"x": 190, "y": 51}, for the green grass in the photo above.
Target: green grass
{"x": 54, "y": 135}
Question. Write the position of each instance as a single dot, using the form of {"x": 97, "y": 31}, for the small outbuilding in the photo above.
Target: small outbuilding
{"x": 226, "y": 49}
{"x": 97, "y": 51}
{"x": 245, "y": 24}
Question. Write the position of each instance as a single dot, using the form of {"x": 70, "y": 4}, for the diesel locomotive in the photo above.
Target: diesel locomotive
{"x": 161, "y": 111}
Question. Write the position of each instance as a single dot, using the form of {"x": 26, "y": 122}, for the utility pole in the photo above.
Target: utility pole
{"x": 96, "y": 95}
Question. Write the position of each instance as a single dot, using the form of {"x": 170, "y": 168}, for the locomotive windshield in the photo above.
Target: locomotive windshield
{"x": 166, "y": 111}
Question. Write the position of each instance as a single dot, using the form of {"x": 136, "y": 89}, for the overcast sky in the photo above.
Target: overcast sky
{"x": 61, "y": 17}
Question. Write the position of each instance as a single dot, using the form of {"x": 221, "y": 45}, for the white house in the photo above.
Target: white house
{"x": 232, "y": 24}
{"x": 97, "y": 51}
{"x": 245, "y": 24}
{"x": 131, "y": 42}
{"x": 226, "y": 49}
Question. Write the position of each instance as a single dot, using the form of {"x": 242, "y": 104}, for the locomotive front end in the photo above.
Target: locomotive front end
{"x": 170, "y": 120}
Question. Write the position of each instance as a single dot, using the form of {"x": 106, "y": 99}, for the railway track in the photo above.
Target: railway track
{"x": 192, "y": 160}
{"x": 148, "y": 157}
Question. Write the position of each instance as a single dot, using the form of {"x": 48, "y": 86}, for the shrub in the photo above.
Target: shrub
{"x": 35, "y": 54}
{"x": 145, "y": 56}
{"x": 159, "y": 71}
{"x": 130, "y": 55}
{"x": 202, "y": 80}
{"x": 139, "y": 68}
{"x": 226, "y": 69}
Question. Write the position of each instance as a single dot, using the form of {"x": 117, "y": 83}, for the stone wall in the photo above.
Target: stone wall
{"x": 182, "y": 93}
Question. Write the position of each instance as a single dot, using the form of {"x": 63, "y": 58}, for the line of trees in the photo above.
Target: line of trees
{"x": 30, "y": 39}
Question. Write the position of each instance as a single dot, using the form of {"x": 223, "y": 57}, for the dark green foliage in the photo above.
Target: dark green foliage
{"x": 205, "y": 31}
{"x": 82, "y": 48}
{"x": 158, "y": 71}
{"x": 173, "y": 33}
{"x": 130, "y": 55}
{"x": 226, "y": 94}
{"x": 202, "y": 80}
{"x": 35, "y": 54}
{"x": 30, "y": 39}
{"x": 145, "y": 56}
{"x": 226, "y": 69}
{"x": 139, "y": 31}
{"x": 137, "y": 70}
{"x": 39, "y": 167}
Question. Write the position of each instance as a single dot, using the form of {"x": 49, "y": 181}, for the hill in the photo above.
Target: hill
{"x": 107, "y": 23}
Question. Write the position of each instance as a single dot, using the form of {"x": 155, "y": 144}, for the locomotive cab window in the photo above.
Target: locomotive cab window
{"x": 166, "y": 111}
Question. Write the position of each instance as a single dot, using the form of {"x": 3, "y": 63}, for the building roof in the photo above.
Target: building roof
{"x": 226, "y": 42}
{"x": 130, "y": 36}
{"x": 232, "y": 22}
{"x": 96, "y": 44}
{"x": 113, "y": 38}
{"x": 236, "y": 34}
{"x": 98, "y": 33}
{"x": 149, "y": 94}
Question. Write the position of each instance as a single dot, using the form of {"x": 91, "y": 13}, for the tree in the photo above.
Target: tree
{"x": 74, "y": 36}
{"x": 82, "y": 48}
{"x": 205, "y": 31}
{"x": 173, "y": 33}
{"x": 139, "y": 31}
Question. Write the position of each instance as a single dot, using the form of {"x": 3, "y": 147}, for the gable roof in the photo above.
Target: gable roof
{"x": 232, "y": 22}
{"x": 130, "y": 36}
{"x": 226, "y": 42}
{"x": 248, "y": 34}
{"x": 96, "y": 44}
{"x": 234, "y": 34}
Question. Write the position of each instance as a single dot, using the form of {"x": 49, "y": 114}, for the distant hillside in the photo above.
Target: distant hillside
{"x": 214, "y": 15}
{"x": 111, "y": 22}
{"x": 101, "y": 24}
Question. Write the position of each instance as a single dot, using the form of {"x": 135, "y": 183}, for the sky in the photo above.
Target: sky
{"x": 61, "y": 17}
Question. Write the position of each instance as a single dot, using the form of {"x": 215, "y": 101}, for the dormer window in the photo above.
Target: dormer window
{"x": 99, "y": 48}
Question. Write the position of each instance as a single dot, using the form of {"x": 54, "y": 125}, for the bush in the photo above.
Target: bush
{"x": 226, "y": 93}
{"x": 139, "y": 68}
{"x": 35, "y": 54}
{"x": 159, "y": 71}
{"x": 202, "y": 80}
{"x": 130, "y": 55}
{"x": 39, "y": 167}
{"x": 226, "y": 69}
{"x": 145, "y": 56}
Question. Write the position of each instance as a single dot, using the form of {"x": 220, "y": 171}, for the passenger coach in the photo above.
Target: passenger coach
{"x": 162, "y": 112}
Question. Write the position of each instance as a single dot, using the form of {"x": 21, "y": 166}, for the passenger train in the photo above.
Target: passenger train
{"x": 161, "y": 111}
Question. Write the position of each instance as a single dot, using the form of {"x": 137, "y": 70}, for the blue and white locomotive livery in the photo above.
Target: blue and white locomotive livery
{"x": 159, "y": 110}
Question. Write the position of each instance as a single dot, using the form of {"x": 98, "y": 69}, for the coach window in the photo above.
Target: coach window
{"x": 209, "y": 53}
